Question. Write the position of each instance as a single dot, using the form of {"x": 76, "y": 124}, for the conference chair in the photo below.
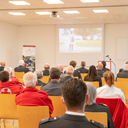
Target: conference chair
{"x": 83, "y": 75}
{"x": 59, "y": 107}
{"x": 29, "y": 116}
{"x": 45, "y": 79}
{"x": 75, "y": 77}
{"x": 38, "y": 87}
{"x": 122, "y": 79}
{"x": 100, "y": 117}
{"x": 118, "y": 110}
{"x": 19, "y": 76}
{"x": 103, "y": 82}
{"x": 8, "y": 107}
{"x": 124, "y": 87}
{"x": 95, "y": 83}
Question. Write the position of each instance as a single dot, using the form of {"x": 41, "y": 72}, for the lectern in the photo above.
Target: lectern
{"x": 110, "y": 65}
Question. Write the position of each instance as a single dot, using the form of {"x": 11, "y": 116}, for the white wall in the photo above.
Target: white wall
{"x": 9, "y": 44}
{"x": 44, "y": 37}
{"x": 112, "y": 32}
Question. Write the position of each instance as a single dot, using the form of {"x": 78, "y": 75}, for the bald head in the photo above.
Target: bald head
{"x": 69, "y": 71}
{"x": 30, "y": 79}
{"x": 100, "y": 66}
{"x": 46, "y": 66}
{"x": 60, "y": 66}
{"x": 9, "y": 70}
{"x": 2, "y": 63}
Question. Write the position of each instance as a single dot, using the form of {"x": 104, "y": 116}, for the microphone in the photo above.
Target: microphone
{"x": 108, "y": 57}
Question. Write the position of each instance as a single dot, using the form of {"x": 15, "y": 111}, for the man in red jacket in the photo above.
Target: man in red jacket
{"x": 7, "y": 86}
{"x": 32, "y": 96}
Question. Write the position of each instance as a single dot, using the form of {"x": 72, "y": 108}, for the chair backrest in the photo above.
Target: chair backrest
{"x": 95, "y": 83}
{"x": 83, "y": 75}
{"x": 59, "y": 107}
{"x": 75, "y": 77}
{"x": 19, "y": 76}
{"x": 8, "y": 106}
{"x": 29, "y": 116}
{"x": 45, "y": 79}
{"x": 100, "y": 117}
{"x": 122, "y": 79}
{"x": 38, "y": 87}
{"x": 103, "y": 82}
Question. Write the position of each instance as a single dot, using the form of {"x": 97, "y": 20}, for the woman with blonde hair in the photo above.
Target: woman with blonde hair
{"x": 109, "y": 90}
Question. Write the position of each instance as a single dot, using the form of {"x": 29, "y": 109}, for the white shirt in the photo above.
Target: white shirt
{"x": 75, "y": 113}
{"x": 110, "y": 92}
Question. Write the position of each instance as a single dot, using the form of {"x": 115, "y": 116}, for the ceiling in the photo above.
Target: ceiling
{"x": 118, "y": 12}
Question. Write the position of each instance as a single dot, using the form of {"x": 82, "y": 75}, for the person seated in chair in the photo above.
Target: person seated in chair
{"x": 99, "y": 69}
{"x": 2, "y": 63}
{"x": 39, "y": 78}
{"x": 91, "y": 105}
{"x": 120, "y": 70}
{"x": 32, "y": 96}
{"x": 7, "y": 86}
{"x": 82, "y": 69}
{"x": 46, "y": 69}
{"x": 75, "y": 97}
{"x": 104, "y": 67}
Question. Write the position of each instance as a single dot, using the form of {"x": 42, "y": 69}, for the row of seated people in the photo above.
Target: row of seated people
{"x": 54, "y": 87}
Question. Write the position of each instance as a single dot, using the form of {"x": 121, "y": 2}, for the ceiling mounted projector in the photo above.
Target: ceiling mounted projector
{"x": 54, "y": 14}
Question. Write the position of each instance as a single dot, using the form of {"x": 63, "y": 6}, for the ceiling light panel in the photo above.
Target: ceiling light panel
{"x": 89, "y": 1}
{"x": 71, "y": 12}
{"x": 53, "y": 1}
{"x": 43, "y": 13}
{"x": 17, "y": 13}
{"x": 19, "y": 3}
{"x": 101, "y": 11}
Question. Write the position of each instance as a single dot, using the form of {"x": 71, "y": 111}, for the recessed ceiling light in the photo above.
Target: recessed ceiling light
{"x": 89, "y": 1}
{"x": 43, "y": 13}
{"x": 53, "y": 1}
{"x": 17, "y": 13}
{"x": 19, "y": 3}
{"x": 71, "y": 12}
{"x": 101, "y": 11}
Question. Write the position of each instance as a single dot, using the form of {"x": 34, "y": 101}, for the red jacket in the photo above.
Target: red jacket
{"x": 118, "y": 110}
{"x": 10, "y": 87}
{"x": 34, "y": 97}
{"x": 14, "y": 79}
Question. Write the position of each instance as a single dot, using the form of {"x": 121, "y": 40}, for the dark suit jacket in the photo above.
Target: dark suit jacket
{"x": 96, "y": 78}
{"x": 66, "y": 121}
{"x": 120, "y": 70}
{"x": 1, "y": 68}
{"x": 53, "y": 88}
{"x": 105, "y": 69}
{"x": 82, "y": 70}
{"x": 45, "y": 72}
{"x": 101, "y": 108}
{"x": 64, "y": 78}
{"x": 21, "y": 69}
{"x": 100, "y": 73}
{"x": 40, "y": 83}
{"x": 77, "y": 74}
{"x": 123, "y": 74}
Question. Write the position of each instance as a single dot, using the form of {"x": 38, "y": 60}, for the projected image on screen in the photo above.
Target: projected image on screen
{"x": 80, "y": 40}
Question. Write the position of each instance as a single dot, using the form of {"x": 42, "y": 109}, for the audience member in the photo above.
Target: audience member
{"x": 2, "y": 63}
{"x": 32, "y": 96}
{"x": 76, "y": 72}
{"x": 12, "y": 78}
{"x": 83, "y": 69}
{"x": 92, "y": 75}
{"x": 7, "y": 86}
{"x": 69, "y": 74}
{"x": 91, "y": 105}
{"x": 124, "y": 73}
{"x": 99, "y": 69}
{"x": 21, "y": 68}
{"x": 53, "y": 88}
{"x": 60, "y": 66}
{"x": 120, "y": 70}
{"x": 104, "y": 67}
{"x": 75, "y": 98}
{"x": 109, "y": 90}
{"x": 46, "y": 69}
{"x": 39, "y": 78}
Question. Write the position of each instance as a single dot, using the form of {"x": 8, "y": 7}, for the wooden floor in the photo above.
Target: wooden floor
{"x": 9, "y": 123}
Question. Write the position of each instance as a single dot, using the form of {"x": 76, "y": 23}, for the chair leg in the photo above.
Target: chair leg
{"x": 4, "y": 123}
{"x": 13, "y": 123}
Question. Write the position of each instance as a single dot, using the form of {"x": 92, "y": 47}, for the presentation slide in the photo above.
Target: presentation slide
{"x": 80, "y": 43}
{"x": 80, "y": 40}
